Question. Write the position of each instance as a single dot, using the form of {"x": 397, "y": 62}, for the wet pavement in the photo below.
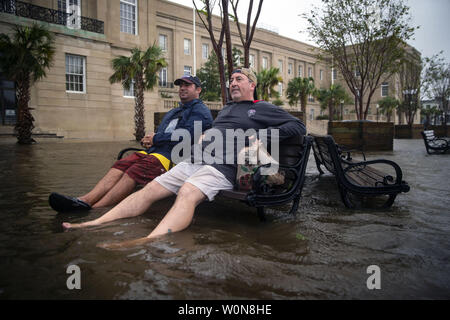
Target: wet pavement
{"x": 321, "y": 253}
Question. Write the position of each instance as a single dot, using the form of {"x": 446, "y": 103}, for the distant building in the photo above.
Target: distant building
{"x": 76, "y": 100}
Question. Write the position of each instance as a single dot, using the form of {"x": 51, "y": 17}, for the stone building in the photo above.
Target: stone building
{"x": 76, "y": 100}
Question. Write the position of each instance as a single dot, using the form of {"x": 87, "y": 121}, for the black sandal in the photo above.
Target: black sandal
{"x": 62, "y": 203}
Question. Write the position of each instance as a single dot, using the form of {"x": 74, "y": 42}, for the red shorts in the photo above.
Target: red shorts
{"x": 140, "y": 167}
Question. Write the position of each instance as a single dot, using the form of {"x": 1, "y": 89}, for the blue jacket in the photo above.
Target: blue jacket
{"x": 183, "y": 117}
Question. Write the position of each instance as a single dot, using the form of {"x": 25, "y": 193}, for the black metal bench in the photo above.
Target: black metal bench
{"x": 294, "y": 154}
{"x": 358, "y": 178}
{"x": 433, "y": 144}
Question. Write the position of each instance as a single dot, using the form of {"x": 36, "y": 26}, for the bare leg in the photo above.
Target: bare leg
{"x": 178, "y": 218}
{"x": 132, "y": 206}
{"x": 180, "y": 215}
{"x": 117, "y": 193}
{"x": 103, "y": 186}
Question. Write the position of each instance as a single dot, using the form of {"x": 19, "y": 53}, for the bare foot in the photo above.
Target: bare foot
{"x": 67, "y": 225}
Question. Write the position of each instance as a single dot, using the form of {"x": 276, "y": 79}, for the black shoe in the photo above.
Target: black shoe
{"x": 62, "y": 203}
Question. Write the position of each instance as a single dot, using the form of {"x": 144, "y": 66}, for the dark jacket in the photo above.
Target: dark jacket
{"x": 184, "y": 117}
{"x": 252, "y": 115}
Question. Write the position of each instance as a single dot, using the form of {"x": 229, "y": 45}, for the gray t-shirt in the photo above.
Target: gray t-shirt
{"x": 247, "y": 115}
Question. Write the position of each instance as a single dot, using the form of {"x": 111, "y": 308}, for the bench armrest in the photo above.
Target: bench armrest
{"x": 344, "y": 149}
{"x": 258, "y": 178}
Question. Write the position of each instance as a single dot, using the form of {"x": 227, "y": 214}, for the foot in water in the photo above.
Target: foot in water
{"x": 67, "y": 225}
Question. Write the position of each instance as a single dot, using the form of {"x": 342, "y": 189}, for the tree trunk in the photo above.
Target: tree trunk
{"x": 303, "y": 106}
{"x": 139, "y": 120}
{"x": 330, "y": 111}
{"x": 25, "y": 119}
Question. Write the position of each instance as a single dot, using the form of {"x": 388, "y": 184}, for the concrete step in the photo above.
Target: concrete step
{"x": 8, "y": 131}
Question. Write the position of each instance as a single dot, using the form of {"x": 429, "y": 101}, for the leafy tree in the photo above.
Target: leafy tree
{"x": 267, "y": 80}
{"x": 410, "y": 82}
{"x": 387, "y": 106}
{"x": 140, "y": 70}
{"x": 436, "y": 82}
{"x": 298, "y": 90}
{"x": 365, "y": 40}
{"x": 331, "y": 98}
{"x": 24, "y": 58}
{"x": 210, "y": 79}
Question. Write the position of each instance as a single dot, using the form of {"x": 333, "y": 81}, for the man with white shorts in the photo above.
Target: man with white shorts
{"x": 195, "y": 182}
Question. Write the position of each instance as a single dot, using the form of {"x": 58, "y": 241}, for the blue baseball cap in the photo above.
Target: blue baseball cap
{"x": 188, "y": 79}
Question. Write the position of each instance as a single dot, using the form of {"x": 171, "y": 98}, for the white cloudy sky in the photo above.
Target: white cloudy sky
{"x": 431, "y": 15}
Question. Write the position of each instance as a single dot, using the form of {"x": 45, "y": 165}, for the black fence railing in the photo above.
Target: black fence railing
{"x": 31, "y": 11}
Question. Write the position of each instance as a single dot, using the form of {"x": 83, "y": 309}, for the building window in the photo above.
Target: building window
{"x": 128, "y": 16}
{"x": 300, "y": 71}
{"x": 334, "y": 74}
{"x": 310, "y": 98}
{"x": 280, "y": 88}
{"x": 280, "y": 65}
{"x": 129, "y": 93}
{"x": 205, "y": 51}
{"x": 265, "y": 63}
{"x": 187, "y": 71}
{"x": 75, "y": 73}
{"x": 309, "y": 72}
{"x": 290, "y": 68}
{"x": 187, "y": 47}
{"x": 251, "y": 60}
{"x": 384, "y": 89}
{"x": 163, "y": 77}
{"x": 321, "y": 75}
{"x": 163, "y": 42}
{"x": 311, "y": 114}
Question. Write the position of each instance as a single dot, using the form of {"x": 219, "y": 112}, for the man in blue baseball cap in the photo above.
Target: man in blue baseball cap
{"x": 188, "y": 79}
{"x": 140, "y": 168}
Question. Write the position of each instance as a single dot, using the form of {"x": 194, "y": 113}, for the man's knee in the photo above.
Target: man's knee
{"x": 190, "y": 192}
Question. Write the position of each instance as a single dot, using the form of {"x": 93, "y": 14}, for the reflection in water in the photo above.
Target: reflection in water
{"x": 321, "y": 253}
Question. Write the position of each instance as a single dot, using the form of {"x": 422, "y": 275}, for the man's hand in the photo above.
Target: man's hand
{"x": 147, "y": 141}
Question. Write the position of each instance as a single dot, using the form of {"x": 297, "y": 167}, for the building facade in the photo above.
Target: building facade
{"x": 76, "y": 100}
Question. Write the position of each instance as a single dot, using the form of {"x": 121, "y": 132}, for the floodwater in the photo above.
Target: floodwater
{"x": 321, "y": 253}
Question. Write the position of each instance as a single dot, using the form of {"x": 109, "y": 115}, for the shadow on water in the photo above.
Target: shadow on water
{"x": 320, "y": 253}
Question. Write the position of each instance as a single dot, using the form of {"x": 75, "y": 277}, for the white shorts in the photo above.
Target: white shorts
{"x": 208, "y": 179}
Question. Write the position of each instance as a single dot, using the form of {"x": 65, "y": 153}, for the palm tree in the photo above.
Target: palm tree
{"x": 331, "y": 98}
{"x": 267, "y": 80}
{"x": 139, "y": 70}
{"x": 298, "y": 90}
{"x": 387, "y": 106}
{"x": 24, "y": 58}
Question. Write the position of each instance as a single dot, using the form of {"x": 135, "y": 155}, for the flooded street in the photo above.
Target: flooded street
{"x": 321, "y": 253}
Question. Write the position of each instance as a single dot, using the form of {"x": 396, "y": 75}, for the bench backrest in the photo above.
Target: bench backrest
{"x": 428, "y": 135}
{"x": 322, "y": 152}
{"x": 291, "y": 150}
